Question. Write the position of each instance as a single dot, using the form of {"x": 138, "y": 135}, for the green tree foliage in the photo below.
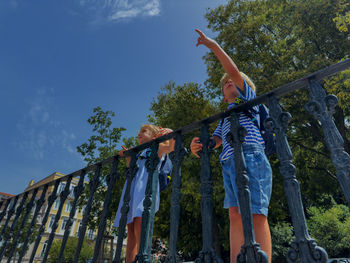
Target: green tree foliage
{"x": 177, "y": 106}
{"x": 331, "y": 229}
{"x": 276, "y": 42}
{"x": 86, "y": 253}
{"x": 20, "y": 234}
{"x": 101, "y": 145}
{"x": 282, "y": 236}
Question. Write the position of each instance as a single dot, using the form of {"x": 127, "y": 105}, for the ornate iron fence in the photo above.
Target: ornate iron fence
{"x": 15, "y": 212}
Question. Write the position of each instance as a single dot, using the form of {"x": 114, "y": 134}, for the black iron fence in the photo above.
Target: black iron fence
{"x": 27, "y": 217}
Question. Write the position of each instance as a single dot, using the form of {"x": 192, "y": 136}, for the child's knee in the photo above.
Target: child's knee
{"x": 259, "y": 220}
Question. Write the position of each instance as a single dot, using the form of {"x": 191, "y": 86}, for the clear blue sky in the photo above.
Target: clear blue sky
{"x": 60, "y": 59}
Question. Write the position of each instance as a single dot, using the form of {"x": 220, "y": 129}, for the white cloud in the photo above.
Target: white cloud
{"x": 117, "y": 10}
{"x": 39, "y": 132}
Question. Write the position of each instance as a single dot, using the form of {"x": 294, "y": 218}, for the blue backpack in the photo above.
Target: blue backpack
{"x": 268, "y": 137}
{"x": 166, "y": 168}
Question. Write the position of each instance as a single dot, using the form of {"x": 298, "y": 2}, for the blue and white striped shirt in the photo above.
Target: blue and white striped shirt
{"x": 253, "y": 136}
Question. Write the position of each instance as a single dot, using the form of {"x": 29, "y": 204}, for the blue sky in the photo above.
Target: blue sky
{"x": 60, "y": 59}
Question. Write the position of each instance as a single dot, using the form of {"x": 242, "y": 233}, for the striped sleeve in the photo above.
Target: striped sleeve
{"x": 248, "y": 93}
{"x": 218, "y": 131}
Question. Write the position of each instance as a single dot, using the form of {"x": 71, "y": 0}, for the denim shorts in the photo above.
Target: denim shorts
{"x": 260, "y": 179}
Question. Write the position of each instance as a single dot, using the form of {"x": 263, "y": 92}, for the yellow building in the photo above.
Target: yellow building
{"x": 77, "y": 219}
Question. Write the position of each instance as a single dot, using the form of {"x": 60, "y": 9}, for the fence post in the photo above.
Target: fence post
{"x": 304, "y": 248}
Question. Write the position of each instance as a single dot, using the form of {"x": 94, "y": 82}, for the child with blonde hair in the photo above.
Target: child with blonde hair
{"x": 237, "y": 87}
{"x": 147, "y": 133}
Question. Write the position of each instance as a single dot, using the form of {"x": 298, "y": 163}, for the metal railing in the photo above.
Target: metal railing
{"x": 17, "y": 210}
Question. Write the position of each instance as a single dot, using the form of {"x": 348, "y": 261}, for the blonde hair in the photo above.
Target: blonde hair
{"x": 154, "y": 129}
{"x": 225, "y": 77}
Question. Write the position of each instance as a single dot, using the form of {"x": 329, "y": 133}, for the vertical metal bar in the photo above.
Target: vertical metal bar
{"x": 23, "y": 222}
{"x": 39, "y": 204}
{"x": 50, "y": 202}
{"x": 63, "y": 196}
{"x": 111, "y": 180}
{"x": 150, "y": 198}
{"x": 304, "y": 248}
{"x": 130, "y": 174}
{"x": 9, "y": 215}
{"x": 178, "y": 155}
{"x": 3, "y": 213}
{"x": 251, "y": 251}
{"x": 208, "y": 253}
{"x": 9, "y": 235}
{"x": 77, "y": 192}
{"x": 322, "y": 107}
{"x": 92, "y": 187}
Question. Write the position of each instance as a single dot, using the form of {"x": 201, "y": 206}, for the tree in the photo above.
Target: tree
{"x": 100, "y": 146}
{"x": 276, "y": 42}
{"x": 20, "y": 235}
{"x": 175, "y": 107}
{"x": 331, "y": 229}
{"x": 86, "y": 253}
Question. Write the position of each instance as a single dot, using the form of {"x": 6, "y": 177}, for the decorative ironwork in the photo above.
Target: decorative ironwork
{"x": 77, "y": 192}
{"x": 3, "y": 213}
{"x": 304, "y": 248}
{"x": 251, "y": 251}
{"x": 177, "y": 157}
{"x": 322, "y": 107}
{"x": 39, "y": 204}
{"x": 9, "y": 215}
{"x": 29, "y": 207}
{"x": 207, "y": 253}
{"x": 144, "y": 254}
{"x": 50, "y": 202}
{"x": 63, "y": 196}
{"x": 111, "y": 180}
{"x": 130, "y": 174}
{"x": 9, "y": 235}
{"x": 92, "y": 187}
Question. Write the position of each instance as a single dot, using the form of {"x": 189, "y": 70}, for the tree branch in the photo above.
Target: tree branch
{"x": 308, "y": 148}
{"x": 325, "y": 170}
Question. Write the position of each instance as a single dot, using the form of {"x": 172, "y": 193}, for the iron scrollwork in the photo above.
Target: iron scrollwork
{"x": 303, "y": 248}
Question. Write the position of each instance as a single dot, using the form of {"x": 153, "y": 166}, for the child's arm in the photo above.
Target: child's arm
{"x": 196, "y": 144}
{"x": 228, "y": 64}
{"x": 167, "y": 146}
{"x": 128, "y": 158}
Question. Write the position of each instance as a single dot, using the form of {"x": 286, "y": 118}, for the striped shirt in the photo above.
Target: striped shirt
{"x": 253, "y": 136}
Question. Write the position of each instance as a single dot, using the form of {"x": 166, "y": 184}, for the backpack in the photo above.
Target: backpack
{"x": 166, "y": 167}
{"x": 268, "y": 137}
{"x": 165, "y": 170}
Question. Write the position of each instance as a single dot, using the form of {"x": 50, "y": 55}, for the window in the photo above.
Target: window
{"x": 61, "y": 187}
{"x": 43, "y": 249}
{"x": 57, "y": 204}
{"x": 68, "y": 206}
{"x": 64, "y": 223}
{"x": 80, "y": 225}
{"x": 71, "y": 194}
{"x": 52, "y": 220}
{"x": 90, "y": 234}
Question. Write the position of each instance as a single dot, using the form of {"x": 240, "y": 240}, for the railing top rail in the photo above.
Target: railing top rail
{"x": 278, "y": 92}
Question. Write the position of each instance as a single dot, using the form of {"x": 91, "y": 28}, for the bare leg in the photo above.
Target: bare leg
{"x": 261, "y": 231}
{"x": 134, "y": 235}
{"x": 236, "y": 233}
{"x": 130, "y": 245}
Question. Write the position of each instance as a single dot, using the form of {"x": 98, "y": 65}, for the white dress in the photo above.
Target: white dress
{"x": 137, "y": 193}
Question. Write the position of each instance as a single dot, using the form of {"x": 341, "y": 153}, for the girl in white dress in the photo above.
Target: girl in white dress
{"x": 147, "y": 133}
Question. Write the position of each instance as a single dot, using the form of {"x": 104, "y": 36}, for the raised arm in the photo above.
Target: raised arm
{"x": 227, "y": 63}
